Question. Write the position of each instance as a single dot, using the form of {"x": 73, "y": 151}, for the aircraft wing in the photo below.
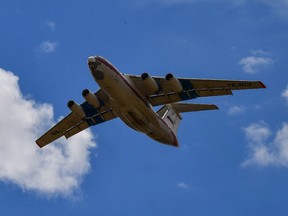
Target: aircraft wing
{"x": 192, "y": 88}
{"x": 73, "y": 124}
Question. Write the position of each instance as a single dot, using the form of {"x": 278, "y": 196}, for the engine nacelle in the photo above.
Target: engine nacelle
{"x": 174, "y": 83}
{"x": 91, "y": 98}
{"x": 76, "y": 108}
{"x": 149, "y": 83}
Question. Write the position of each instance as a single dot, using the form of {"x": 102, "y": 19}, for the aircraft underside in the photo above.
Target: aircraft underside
{"x": 132, "y": 98}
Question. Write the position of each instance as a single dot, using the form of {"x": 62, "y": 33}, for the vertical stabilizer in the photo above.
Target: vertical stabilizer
{"x": 171, "y": 116}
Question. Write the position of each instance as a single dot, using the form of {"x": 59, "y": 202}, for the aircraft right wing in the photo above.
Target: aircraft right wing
{"x": 191, "y": 88}
{"x": 73, "y": 124}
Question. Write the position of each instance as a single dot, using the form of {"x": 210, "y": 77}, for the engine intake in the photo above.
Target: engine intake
{"x": 76, "y": 109}
{"x": 174, "y": 83}
{"x": 91, "y": 98}
{"x": 149, "y": 83}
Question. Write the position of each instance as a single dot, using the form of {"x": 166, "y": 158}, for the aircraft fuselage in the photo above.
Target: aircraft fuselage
{"x": 128, "y": 103}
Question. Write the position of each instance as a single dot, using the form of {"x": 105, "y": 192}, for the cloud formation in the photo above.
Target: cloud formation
{"x": 49, "y": 25}
{"x": 47, "y": 46}
{"x": 285, "y": 94}
{"x": 264, "y": 151}
{"x": 253, "y": 64}
{"x": 183, "y": 185}
{"x": 179, "y": 2}
{"x": 279, "y": 7}
{"x": 54, "y": 170}
{"x": 236, "y": 110}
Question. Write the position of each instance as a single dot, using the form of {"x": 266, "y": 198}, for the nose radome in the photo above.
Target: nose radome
{"x": 91, "y": 59}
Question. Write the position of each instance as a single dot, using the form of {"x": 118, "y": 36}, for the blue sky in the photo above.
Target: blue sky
{"x": 230, "y": 162}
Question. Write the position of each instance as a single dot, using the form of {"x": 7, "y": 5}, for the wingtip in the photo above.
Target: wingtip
{"x": 215, "y": 107}
{"x": 38, "y": 143}
{"x": 175, "y": 145}
{"x": 262, "y": 84}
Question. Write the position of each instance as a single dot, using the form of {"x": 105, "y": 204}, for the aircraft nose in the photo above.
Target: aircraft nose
{"x": 91, "y": 59}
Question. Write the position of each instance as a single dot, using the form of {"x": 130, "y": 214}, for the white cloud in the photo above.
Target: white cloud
{"x": 235, "y": 110}
{"x": 285, "y": 94}
{"x": 47, "y": 46}
{"x": 279, "y": 7}
{"x": 260, "y": 52}
{"x": 181, "y": 2}
{"x": 263, "y": 152}
{"x": 183, "y": 185}
{"x": 258, "y": 132}
{"x": 49, "y": 25}
{"x": 54, "y": 170}
{"x": 253, "y": 64}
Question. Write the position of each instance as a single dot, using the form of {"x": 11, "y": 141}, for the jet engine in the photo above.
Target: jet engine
{"x": 150, "y": 83}
{"x": 91, "y": 98}
{"x": 174, "y": 83}
{"x": 76, "y": 108}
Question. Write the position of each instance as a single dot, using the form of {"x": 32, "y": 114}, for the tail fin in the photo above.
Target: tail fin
{"x": 170, "y": 113}
{"x": 171, "y": 116}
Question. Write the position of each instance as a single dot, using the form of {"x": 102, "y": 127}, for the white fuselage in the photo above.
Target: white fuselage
{"x": 128, "y": 103}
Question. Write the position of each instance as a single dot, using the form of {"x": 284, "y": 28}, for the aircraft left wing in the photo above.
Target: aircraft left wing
{"x": 73, "y": 124}
{"x": 174, "y": 89}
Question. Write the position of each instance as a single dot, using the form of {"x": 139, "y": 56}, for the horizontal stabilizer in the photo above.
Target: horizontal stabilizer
{"x": 185, "y": 107}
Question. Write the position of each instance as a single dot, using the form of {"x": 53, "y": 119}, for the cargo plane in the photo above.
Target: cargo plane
{"x": 132, "y": 98}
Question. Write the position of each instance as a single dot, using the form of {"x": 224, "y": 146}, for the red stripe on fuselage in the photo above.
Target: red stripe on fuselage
{"x": 109, "y": 65}
{"x": 105, "y": 62}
